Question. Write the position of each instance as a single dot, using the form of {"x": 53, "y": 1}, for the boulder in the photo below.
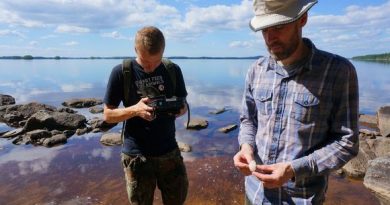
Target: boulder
{"x": 97, "y": 123}
{"x": 6, "y": 100}
{"x": 55, "y": 140}
{"x": 96, "y": 109}
{"x": 383, "y": 115}
{"x": 11, "y": 114}
{"x": 228, "y": 128}
{"x": 197, "y": 124}
{"x": 356, "y": 167}
{"x": 377, "y": 178}
{"x": 54, "y": 121}
{"x": 82, "y": 102}
{"x": 36, "y": 135}
{"x": 369, "y": 121}
{"x": 111, "y": 139}
{"x": 66, "y": 109}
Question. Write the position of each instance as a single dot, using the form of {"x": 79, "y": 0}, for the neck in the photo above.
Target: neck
{"x": 300, "y": 53}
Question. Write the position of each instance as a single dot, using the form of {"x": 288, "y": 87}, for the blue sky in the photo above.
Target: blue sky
{"x": 192, "y": 27}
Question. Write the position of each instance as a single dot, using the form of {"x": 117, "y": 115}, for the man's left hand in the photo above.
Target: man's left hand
{"x": 274, "y": 175}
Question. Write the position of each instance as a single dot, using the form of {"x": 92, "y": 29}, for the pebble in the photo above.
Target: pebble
{"x": 252, "y": 166}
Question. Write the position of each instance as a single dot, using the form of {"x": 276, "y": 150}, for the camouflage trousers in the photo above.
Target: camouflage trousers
{"x": 143, "y": 174}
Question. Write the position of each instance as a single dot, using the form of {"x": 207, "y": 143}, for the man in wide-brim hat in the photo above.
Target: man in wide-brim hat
{"x": 299, "y": 117}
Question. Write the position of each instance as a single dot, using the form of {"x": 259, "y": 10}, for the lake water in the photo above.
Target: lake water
{"x": 85, "y": 172}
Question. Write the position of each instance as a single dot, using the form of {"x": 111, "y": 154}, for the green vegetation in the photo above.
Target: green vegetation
{"x": 27, "y": 57}
{"x": 57, "y": 58}
{"x": 374, "y": 57}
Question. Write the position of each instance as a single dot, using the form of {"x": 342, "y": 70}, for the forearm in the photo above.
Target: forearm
{"x": 115, "y": 115}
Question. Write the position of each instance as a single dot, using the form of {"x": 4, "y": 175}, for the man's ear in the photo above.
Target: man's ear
{"x": 303, "y": 20}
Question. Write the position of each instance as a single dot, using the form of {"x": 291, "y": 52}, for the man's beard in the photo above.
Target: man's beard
{"x": 287, "y": 48}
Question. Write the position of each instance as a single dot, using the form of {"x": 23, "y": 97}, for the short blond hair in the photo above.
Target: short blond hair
{"x": 150, "y": 39}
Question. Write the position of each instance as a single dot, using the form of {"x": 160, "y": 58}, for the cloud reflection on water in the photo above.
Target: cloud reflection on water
{"x": 30, "y": 160}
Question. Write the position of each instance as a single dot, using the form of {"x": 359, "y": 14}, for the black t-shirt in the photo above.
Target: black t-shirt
{"x": 150, "y": 138}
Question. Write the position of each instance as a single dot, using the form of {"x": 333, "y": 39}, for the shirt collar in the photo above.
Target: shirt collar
{"x": 297, "y": 68}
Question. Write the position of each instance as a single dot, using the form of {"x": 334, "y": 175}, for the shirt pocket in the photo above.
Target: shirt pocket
{"x": 305, "y": 107}
{"x": 264, "y": 102}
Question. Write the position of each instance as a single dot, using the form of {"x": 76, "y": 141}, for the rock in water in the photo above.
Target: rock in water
{"x": 384, "y": 120}
{"x": 377, "y": 178}
{"x": 111, "y": 139}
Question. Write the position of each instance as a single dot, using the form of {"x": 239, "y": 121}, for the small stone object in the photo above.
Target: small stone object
{"x": 252, "y": 166}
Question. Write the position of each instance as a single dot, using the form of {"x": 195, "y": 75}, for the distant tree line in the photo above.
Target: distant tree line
{"x": 374, "y": 57}
{"x": 30, "y": 57}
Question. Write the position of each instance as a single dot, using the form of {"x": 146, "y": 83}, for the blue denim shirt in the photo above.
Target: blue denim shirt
{"x": 306, "y": 114}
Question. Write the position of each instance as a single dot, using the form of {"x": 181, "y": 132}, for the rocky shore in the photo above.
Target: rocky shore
{"x": 45, "y": 125}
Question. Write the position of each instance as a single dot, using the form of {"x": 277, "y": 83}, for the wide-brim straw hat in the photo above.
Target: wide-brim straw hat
{"x": 277, "y": 12}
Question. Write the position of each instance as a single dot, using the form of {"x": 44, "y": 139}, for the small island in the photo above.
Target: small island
{"x": 385, "y": 57}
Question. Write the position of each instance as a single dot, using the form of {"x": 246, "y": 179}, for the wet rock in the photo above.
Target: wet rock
{"x": 6, "y": 100}
{"x": 55, "y": 140}
{"x": 357, "y": 167}
{"x": 27, "y": 110}
{"x": 69, "y": 133}
{"x": 67, "y": 110}
{"x": 96, "y": 109}
{"x": 184, "y": 147}
{"x": 111, "y": 139}
{"x": 369, "y": 149}
{"x": 228, "y": 128}
{"x": 82, "y": 102}
{"x": 218, "y": 111}
{"x": 13, "y": 133}
{"x": 377, "y": 178}
{"x": 384, "y": 120}
{"x": 55, "y": 132}
{"x": 96, "y": 130}
{"x": 368, "y": 121}
{"x": 55, "y": 121}
{"x": 36, "y": 135}
{"x": 101, "y": 124}
{"x": 197, "y": 124}
{"x": 84, "y": 130}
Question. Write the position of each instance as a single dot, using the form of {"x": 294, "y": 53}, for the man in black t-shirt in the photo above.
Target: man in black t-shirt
{"x": 150, "y": 154}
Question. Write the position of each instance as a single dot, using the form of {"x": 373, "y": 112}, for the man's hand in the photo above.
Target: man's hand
{"x": 274, "y": 175}
{"x": 242, "y": 159}
{"x": 143, "y": 110}
{"x": 182, "y": 111}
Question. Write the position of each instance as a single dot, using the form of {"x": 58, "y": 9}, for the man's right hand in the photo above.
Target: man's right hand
{"x": 143, "y": 110}
{"x": 242, "y": 159}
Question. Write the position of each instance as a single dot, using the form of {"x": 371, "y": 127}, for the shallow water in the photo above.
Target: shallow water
{"x": 83, "y": 171}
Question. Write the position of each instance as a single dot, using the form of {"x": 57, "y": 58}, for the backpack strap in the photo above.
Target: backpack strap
{"x": 170, "y": 67}
{"x": 127, "y": 73}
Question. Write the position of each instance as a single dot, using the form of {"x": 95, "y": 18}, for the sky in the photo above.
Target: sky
{"x": 217, "y": 28}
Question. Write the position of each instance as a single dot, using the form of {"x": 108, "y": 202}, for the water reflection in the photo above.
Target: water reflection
{"x": 85, "y": 172}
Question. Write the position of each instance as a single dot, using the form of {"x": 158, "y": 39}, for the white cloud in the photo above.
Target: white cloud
{"x": 68, "y": 16}
{"x": 200, "y": 20}
{"x": 241, "y": 44}
{"x": 71, "y": 29}
{"x": 76, "y": 87}
{"x": 71, "y": 43}
{"x": 116, "y": 35}
{"x": 8, "y": 32}
{"x": 33, "y": 43}
{"x": 351, "y": 33}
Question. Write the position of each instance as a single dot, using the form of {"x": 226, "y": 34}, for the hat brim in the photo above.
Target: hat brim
{"x": 258, "y": 23}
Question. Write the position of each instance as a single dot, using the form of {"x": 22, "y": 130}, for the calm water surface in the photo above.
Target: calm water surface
{"x": 85, "y": 172}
